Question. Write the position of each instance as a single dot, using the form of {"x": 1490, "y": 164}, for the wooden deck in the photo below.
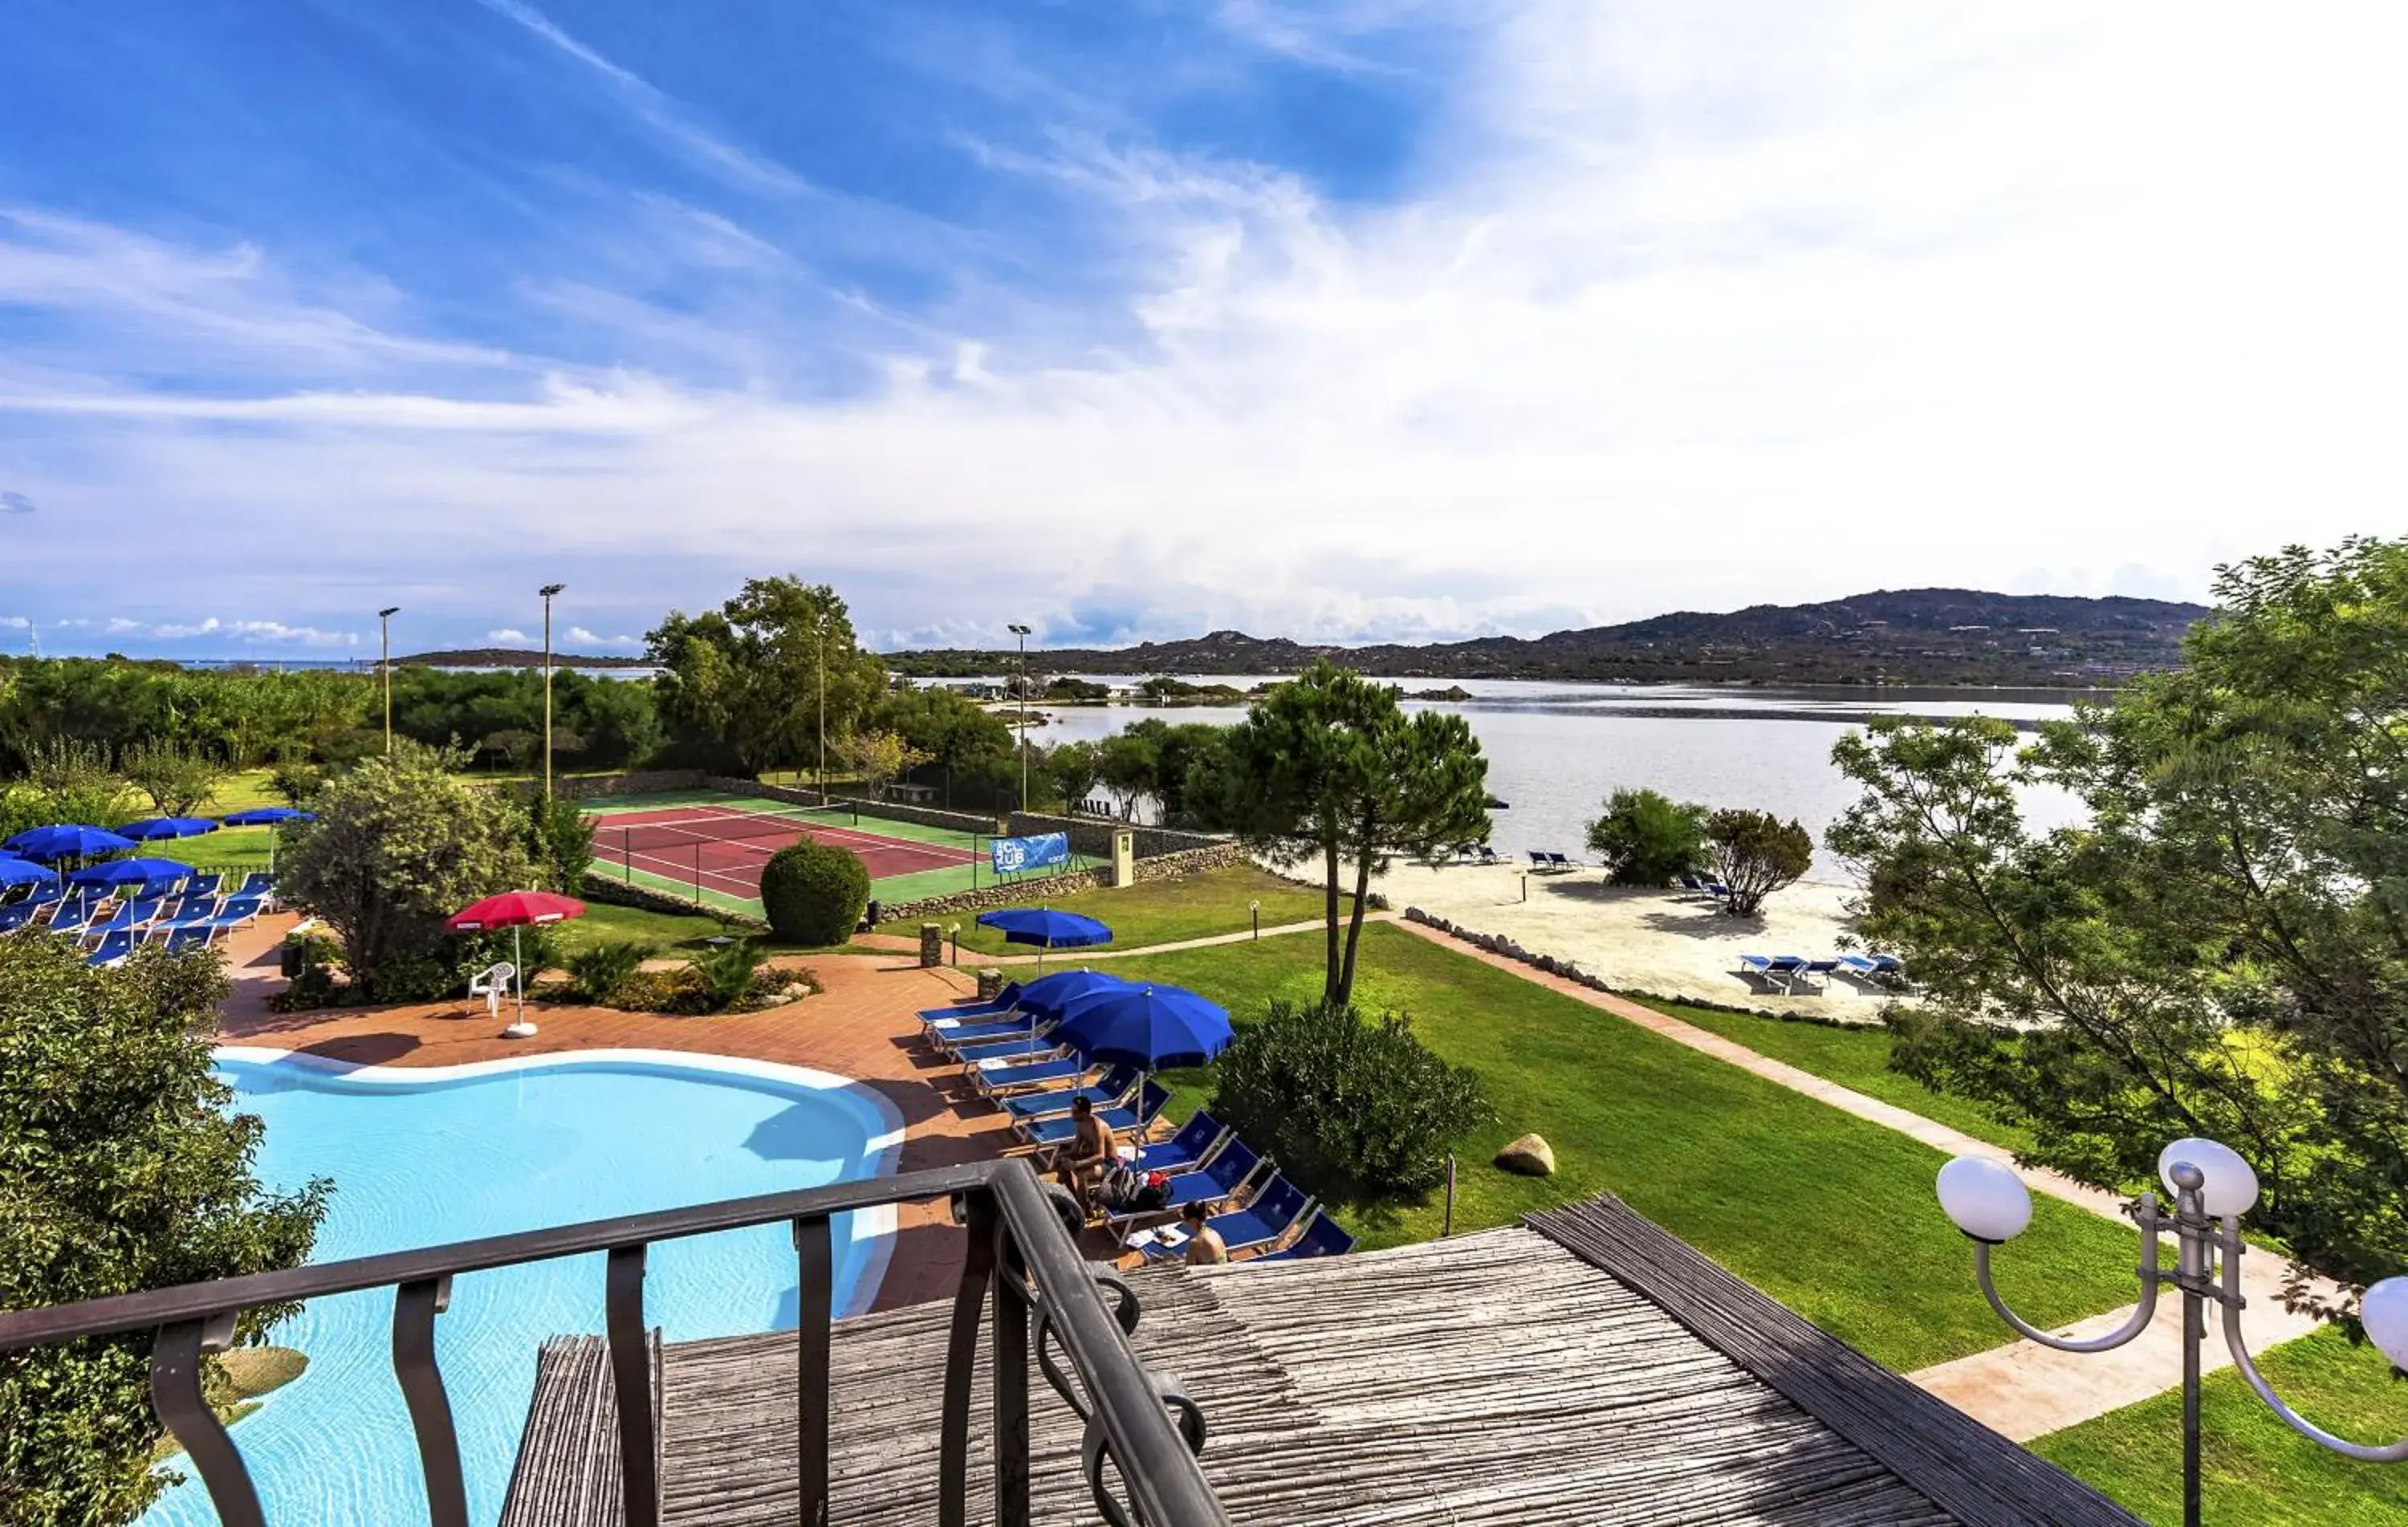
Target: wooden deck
{"x": 1499, "y": 1378}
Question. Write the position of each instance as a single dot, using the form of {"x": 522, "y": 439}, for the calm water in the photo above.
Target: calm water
{"x": 1556, "y": 750}
{"x": 435, "y": 1158}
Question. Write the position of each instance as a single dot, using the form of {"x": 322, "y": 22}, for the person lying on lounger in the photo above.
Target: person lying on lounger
{"x": 1091, "y": 1151}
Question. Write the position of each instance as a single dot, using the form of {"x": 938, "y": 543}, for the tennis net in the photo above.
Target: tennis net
{"x": 703, "y": 829}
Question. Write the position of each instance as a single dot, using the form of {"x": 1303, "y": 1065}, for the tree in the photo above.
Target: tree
{"x": 1074, "y": 768}
{"x": 966, "y": 739}
{"x": 1754, "y": 854}
{"x": 2222, "y": 948}
{"x": 124, "y": 1169}
{"x": 881, "y": 757}
{"x": 1358, "y": 1109}
{"x": 1328, "y": 764}
{"x": 1130, "y": 765}
{"x": 559, "y": 843}
{"x": 178, "y": 779}
{"x": 753, "y": 675}
{"x": 814, "y": 893}
{"x": 1646, "y": 839}
{"x": 400, "y": 845}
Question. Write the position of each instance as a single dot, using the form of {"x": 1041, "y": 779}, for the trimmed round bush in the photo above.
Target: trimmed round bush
{"x": 813, "y": 893}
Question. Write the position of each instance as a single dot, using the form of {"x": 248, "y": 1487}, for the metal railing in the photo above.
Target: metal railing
{"x": 1020, "y": 1259}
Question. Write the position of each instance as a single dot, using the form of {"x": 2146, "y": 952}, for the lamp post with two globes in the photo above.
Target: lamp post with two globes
{"x": 2213, "y": 1187}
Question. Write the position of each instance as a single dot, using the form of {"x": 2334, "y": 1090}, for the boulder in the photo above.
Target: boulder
{"x": 1530, "y": 1156}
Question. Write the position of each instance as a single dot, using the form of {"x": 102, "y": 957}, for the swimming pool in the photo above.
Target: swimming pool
{"x": 421, "y": 1155}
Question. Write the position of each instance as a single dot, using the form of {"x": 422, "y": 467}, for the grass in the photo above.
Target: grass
{"x": 1856, "y": 1058}
{"x": 671, "y": 932}
{"x": 2256, "y": 1471}
{"x": 1829, "y": 1214}
{"x": 1154, "y": 912}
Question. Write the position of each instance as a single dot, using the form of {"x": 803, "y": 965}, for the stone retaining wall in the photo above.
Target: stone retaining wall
{"x": 648, "y": 782}
{"x": 1498, "y": 944}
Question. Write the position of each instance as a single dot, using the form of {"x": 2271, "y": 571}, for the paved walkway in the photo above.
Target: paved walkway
{"x": 2021, "y": 1390}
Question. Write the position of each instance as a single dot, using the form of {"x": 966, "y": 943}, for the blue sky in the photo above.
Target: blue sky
{"x": 1368, "y": 318}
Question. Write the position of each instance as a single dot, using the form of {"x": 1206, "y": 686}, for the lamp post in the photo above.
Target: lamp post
{"x": 384, "y": 661}
{"x": 548, "y": 590}
{"x": 1022, "y": 632}
{"x": 819, "y": 662}
{"x": 2213, "y": 1187}
{"x": 1256, "y": 909}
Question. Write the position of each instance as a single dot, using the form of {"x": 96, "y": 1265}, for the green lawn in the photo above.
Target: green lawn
{"x": 1155, "y": 911}
{"x": 2257, "y": 1471}
{"x": 1856, "y": 1058}
{"x": 671, "y": 932}
{"x": 1831, "y": 1214}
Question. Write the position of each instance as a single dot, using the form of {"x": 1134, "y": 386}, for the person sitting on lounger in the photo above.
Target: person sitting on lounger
{"x": 1204, "y": 1243}
{"x": 1091, "y": 1151}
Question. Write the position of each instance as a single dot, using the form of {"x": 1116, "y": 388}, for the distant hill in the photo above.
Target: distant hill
{"x": 512, "y": 657}
{"x": 1903, "y": 636}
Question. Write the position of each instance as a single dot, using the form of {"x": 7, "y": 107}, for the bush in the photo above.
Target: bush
{"x": 1756, "y": 854}
{"x": 560, "y": 839}
{"x": 1357, "y": 1110}
{"x": 727, "y": 972}
{"x": 598, "y": 972}
{"x": 1646, "y": 839}
{"x": 814, "y": 893}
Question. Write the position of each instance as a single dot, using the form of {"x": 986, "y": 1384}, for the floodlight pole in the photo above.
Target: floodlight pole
{"x": 2204, "y": 1249}
{"x": 548, "y": 591}
{"x": 1022, "y": 632}
{"x": 819, "y": 662}
{"x": 384, "y": 638}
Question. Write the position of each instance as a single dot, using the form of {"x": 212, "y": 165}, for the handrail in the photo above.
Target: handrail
{"x": 194, "y": 1301}
{"x": 1020, "y": 1256}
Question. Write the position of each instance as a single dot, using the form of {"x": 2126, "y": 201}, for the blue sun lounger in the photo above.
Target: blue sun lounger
{"x": 190, "y": 937}
{"x": 1123, "y": 1120}
{"x": 1011, "y": 1072}
{"x": 1005, "y": 1000}
{"x": 1273, "y": 1213}
{"x": 113, "y": 949}
{"x": 1190, "y": 1148}
{"x": 1872, "y": 967}
{"x": 1230, "y": 1170}
{"x": 1323, "y": 1237}
{"x": 1770, "y": 968}
{"x": 1108, "y": 1091}
{"x": 962, "y": 1036}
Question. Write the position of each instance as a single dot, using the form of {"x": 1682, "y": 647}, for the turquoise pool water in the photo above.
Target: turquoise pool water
{"x": 427, "y": 1155}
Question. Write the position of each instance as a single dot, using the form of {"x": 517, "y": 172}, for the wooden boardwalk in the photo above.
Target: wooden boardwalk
{"x": 1498, "y": 1378}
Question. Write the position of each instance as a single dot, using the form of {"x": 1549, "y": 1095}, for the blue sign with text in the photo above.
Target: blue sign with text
{"x": 1045, "y": 850}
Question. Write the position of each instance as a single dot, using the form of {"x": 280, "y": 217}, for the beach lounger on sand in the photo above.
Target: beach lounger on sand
{"x": 1057, "y": 1131}
{"x": 1772, "y": 970}
{"x": 1490, "y": 856}
{"x": 1816, "y": 971}
{"x": 1230, "y": 1170}
{"x": 1190, "y": 1148}
{"x": 1273, "y": 1213}
{"x": 1322, "y": 1237}
{"x": 1875, "y": 970}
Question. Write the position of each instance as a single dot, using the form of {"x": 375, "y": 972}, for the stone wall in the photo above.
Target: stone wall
{"x": 596, "y": 787}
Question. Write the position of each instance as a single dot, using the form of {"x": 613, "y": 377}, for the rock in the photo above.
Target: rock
{"x": 1530, "y": 1156}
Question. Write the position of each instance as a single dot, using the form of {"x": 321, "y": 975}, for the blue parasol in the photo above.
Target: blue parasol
{"x": 1046, "y": 928}
{"x": 15, "y": 872}
{"x": 130, "y": 871}
{"x": 151, "y": 828}
{"x": 67, "y": 841}
{"x": 260, "y": 816}
{"x": 1148, "y": 1027}
{"x": 1050, "y": 994}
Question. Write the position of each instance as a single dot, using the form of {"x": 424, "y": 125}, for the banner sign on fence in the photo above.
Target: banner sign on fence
{"x": 1012, "y": 855}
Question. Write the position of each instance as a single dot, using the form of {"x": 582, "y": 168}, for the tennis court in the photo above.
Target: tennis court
{"x": 710, "y": 847}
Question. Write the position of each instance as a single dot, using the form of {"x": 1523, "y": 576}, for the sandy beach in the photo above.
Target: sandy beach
{"x": 1665, "y": 943}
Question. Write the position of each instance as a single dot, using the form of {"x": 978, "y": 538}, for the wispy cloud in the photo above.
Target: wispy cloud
{"x": 508, "y": 634}
{"x": 731, "y": 162}
{"x": 585, "y": 638}
{"x": 15, "y": 503}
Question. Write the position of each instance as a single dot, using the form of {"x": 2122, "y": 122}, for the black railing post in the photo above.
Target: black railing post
{"x": 176, "y": 1394}
{"x": 1011, "y": 1374}
{"x": 415, "y": 1305}
{"x": 631, "y": 1385}
{"x": 815, "y": 1284}
{"x": 961, "y": 1357}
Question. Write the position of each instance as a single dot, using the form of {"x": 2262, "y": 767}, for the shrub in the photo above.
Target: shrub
{"x": 813, "y": 893}
{"x": 726, "y": 972}
{"x": 1646, "y": 839}
{"x": 124, "y": 1169}
{"x": 1756, "y": 854}
{"x": 560, "y": 839}
{"x": 1358, "y": 1110}
{"x": 400, "y": 845}
{"x": 598, "y": 972}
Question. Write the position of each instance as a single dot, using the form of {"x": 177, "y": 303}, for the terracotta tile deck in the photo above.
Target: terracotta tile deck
{"x": 861, "y": 1027}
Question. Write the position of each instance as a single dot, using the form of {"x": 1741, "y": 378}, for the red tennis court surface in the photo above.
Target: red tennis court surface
{"x": 721, "y": 848}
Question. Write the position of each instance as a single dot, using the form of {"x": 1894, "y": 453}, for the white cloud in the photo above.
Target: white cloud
{"x": 508, "y": 634}
{"x": 585, "y": 638}
{"x": 1692, "y": 305}
{"x": 15, "y": 623}
{"x": 15, "y": 503}
{"x": 277, "y": 632}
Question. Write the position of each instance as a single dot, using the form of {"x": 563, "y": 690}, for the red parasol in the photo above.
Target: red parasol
{"x": 515, "y": 910}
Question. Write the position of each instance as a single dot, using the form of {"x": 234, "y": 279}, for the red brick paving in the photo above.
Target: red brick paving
{"x": 862, "y": 1026}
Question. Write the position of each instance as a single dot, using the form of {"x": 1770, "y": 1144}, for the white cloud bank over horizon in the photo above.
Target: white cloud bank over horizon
{"x": 1687, "y": 305}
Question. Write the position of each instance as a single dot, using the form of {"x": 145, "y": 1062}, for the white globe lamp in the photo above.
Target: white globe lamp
{"x": 2384, "y": 1314}
{"x": 2231, "y": 1185}
{"x": 1986, "y": 1200}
